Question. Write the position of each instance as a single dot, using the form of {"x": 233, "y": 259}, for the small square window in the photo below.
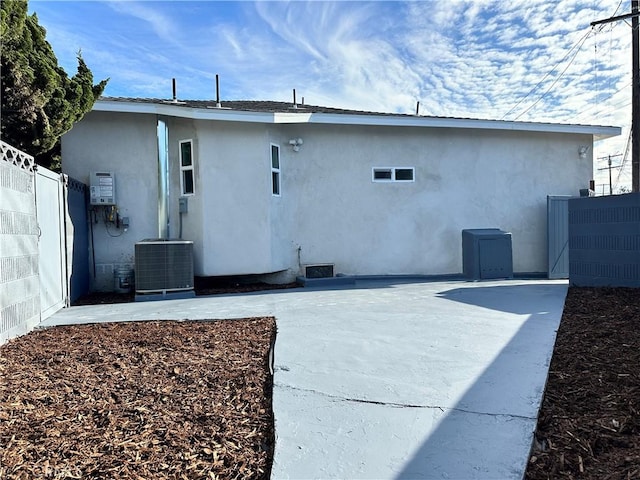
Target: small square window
{"x": 393, "y": 174}
{"x": 275, "y": 170}
{"x": 404, "y": 174}
{"x": 187, "y": 176}
{"x": 187, "y": 182}
{"x": 185, "y": 154}
{"x": 382, "y": 174}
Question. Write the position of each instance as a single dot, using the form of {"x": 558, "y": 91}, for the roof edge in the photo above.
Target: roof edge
{"x": 182, "y": 110}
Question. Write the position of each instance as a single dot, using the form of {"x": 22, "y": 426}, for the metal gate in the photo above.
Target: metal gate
{"x": 558, "y": 236}
{"x": 78, "y": 229}
{"x": 50, "y": 209}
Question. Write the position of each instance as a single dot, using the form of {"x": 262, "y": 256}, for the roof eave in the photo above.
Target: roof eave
{"x": 175, "y": 109}
{"x": 599, "y": 132}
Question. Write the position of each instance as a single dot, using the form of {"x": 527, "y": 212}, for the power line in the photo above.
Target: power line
{"x": 635, "y": 91}
{"x": 578, "y": 45}
{"x": 603, "y": 100}
{"x": 583, "y": 39}
{"x": 625, "y": 158}
{"x": 617, "y": 8}
{"x": 609, "y": 167}
{"x": 618, "y": 107}
{"x": 631, "y": 15}
{"x": 607, "y": 111}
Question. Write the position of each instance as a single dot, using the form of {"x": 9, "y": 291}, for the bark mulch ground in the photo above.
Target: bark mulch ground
{"x": 589, "y": 423}
{"x": 138, "y": 400}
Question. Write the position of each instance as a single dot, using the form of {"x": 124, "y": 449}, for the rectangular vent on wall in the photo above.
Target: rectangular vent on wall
{"x": 319, "y": 271}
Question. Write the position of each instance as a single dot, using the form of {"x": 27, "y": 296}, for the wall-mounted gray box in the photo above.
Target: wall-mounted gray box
{"x": 486, "y": 253}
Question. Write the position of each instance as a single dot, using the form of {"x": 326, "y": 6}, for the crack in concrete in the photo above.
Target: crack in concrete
{"x": 401, "y": 405}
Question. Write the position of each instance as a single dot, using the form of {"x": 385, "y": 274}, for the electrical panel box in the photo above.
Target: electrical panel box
{"x": 183, "y": 205}
{"x": 102, "y": 188}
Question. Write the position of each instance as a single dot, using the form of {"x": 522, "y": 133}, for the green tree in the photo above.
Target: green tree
{"x": 39, "y": 100}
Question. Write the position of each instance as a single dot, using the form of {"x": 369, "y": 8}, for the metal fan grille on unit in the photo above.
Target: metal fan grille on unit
{"x": 163, "y": 265}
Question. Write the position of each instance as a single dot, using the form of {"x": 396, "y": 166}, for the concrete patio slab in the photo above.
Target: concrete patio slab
{"x": 370, "y": 441}
{"x": 393, "y": 380}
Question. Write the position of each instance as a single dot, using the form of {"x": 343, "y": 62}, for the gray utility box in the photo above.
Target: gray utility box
{"x": 486, "y": 253}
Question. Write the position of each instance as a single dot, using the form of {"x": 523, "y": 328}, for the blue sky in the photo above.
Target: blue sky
{"x": 535, "y": 60}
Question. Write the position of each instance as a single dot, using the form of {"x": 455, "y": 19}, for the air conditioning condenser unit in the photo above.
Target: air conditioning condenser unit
{"x": 163, "y": 266}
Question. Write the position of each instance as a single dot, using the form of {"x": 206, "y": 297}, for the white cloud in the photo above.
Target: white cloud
{"x": 161, "y": 24}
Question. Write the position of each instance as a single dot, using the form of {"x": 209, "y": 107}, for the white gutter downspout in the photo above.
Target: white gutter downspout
{"x": 163, "y": 180}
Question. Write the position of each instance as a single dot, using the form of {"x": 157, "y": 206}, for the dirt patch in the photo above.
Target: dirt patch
{"x": 589, "y": 424}
{"x": 143, "y": 400}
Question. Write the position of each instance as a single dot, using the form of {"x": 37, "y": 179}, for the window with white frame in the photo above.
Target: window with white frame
{"x": 393, "y": 174}
{"x": 275, "y": 169}
{"x": 187, "y": 178}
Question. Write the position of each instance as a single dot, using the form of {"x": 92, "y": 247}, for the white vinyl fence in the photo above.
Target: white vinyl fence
{"x": 50, "y": 208}
{"x": 33, "y": 246}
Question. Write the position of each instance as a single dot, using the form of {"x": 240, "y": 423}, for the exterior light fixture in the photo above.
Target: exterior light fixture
{"x": 582, "y": 152}
{"x": 295, "y": 143}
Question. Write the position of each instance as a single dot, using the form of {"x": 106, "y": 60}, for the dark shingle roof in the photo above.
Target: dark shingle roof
{"x": 359, "y": 117}
{"x": 251, "y": 106}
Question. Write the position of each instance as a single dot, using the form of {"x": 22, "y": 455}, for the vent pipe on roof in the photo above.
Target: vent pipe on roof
{"x": 295, "y": 105}
{"x": 218, "y": 105}
{"x": 175, "y": 96}
{"x": 302, "y": 101}
{"x": 418, "y": 108}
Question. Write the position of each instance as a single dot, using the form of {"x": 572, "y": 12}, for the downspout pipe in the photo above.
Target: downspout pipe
{"x": 163, "y": 180}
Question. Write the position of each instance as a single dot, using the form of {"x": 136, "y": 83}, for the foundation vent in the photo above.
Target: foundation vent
{"x": 324, "y": 270}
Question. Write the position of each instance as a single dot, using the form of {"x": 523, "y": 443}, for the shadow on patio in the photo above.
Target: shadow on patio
{"x": 488, "y": 433}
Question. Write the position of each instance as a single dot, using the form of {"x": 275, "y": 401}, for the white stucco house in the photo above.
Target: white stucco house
{"x": 271, "y": 187}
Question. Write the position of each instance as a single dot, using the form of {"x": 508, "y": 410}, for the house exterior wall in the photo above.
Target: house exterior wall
{"x": 126, "y": 145}
{"x": 192, "y": 221}
{"x": 330, "y": 210}
{"x": 463, "y": 179}
{"x": 236, "y": 200}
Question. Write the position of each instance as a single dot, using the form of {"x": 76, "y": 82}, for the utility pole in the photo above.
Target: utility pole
{"x": 609, "y": 167}
{"x": 635, "y": 101}
{"x": 635, "y": 89}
